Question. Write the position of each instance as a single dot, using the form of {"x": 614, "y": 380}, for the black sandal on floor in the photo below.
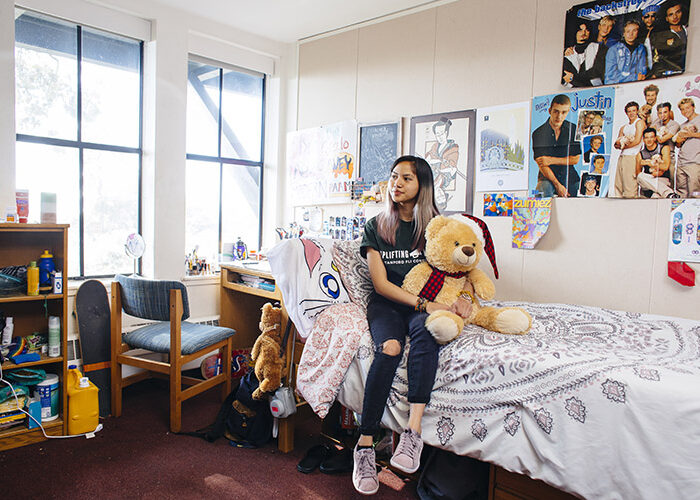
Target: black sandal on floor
{"x": 313, "y": 458}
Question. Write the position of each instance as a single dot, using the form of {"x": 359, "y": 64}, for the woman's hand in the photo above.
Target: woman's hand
{"x": 431, "y": 307}
{"x": 462, "y": 307}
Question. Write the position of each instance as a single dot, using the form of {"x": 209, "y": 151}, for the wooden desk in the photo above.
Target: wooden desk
{"x": 240, "y": 310}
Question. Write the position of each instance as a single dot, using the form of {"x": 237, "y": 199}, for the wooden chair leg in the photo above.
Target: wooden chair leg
{"x": 226, "y": 367}
{"x": 175, "y": 361}
{"x": 115, "y": 349}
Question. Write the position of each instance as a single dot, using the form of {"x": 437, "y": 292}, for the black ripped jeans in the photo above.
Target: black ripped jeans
{"x": 389, "y": 320}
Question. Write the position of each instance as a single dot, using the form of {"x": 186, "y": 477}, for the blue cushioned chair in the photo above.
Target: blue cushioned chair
{"x": 165, "y": 302}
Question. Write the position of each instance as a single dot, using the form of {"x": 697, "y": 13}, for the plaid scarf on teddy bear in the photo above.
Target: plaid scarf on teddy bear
{"x": 435, "y": 281}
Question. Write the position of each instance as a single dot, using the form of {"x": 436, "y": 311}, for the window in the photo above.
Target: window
{"x": 225, "y": 110}
{"x": 78, "y": 102}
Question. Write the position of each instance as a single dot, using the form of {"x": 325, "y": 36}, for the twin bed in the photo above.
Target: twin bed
{"x": 598, "y": 403}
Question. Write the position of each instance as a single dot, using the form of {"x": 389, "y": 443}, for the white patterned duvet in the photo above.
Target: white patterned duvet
{"x": 599, "y": 403}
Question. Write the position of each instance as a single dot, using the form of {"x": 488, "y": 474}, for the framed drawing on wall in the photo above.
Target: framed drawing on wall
{"x": 446, "y": 141}
{"x": 380, "y": 145}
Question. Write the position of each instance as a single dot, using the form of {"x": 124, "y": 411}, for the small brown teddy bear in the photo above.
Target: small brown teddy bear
{"x": 266, "y": 351}
{"x": 454, "y": 246}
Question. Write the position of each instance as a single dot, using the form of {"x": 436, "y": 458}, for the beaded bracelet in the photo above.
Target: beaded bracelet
{"x": 421, "y": 304}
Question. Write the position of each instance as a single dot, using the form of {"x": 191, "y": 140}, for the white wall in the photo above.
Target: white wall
{"x": 473, "y": 53}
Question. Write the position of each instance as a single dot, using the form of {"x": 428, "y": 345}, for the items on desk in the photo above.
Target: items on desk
{"x": 196, "y": 266}
{"x": 257, "y": 282}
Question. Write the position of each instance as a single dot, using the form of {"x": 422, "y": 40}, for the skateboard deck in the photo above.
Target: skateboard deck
{"x": 92, "y": 310}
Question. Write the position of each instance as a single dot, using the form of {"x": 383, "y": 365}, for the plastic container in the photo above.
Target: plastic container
{"x": 7, "y": 331}
{"x": 11, "y": 214}
{"x": 22, "y": 199}
{"x": 32, "y": 279}
{"x": 48, "y": 393}
{"x": 83, "y": 404}
{"x": 46, "y": 267}
{"x": 54, "y": 336}
{"x": 241, "y": 250}
{"x": 34, "y": 409}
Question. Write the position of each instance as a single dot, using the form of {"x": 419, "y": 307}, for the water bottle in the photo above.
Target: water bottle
{"x": 241, "y": 249}
{"x": 54, "y": 336}
{"x": 46, "y": 267}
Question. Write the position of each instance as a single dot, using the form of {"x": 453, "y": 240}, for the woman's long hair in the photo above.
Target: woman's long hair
{"x": 423, "y": 211}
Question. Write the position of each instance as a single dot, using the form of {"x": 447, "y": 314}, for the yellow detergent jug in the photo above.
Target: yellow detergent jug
{"x": 83, "y": 405}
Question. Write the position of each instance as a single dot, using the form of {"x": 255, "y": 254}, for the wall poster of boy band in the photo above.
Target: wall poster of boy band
{"x": 571, "y": 142}
{"x": 616, "y": 41}
{"x": 656, "y": 139}
{"x": 446, "y": 141}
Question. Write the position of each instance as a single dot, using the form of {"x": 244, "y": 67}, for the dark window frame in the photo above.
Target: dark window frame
{"x": 221, "y": 160}
{"x": 81, "y": 146}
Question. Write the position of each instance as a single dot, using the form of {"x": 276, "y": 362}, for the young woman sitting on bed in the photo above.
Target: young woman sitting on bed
{"x": 393, "y": 243}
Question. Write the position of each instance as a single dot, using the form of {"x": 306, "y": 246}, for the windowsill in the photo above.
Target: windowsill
{"x": 210, "y": 279}
{"x": 207, "y": 279}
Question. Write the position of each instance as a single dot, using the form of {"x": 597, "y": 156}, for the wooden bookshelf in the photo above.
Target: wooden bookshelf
{"x": 20, "y": 244}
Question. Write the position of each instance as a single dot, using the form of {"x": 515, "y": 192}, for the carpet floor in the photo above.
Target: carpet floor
{"x": 135, "y": 456}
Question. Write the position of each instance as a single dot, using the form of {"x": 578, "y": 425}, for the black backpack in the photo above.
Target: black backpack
{"x": 244, "y": 420}
{"x": 447, "y": 476}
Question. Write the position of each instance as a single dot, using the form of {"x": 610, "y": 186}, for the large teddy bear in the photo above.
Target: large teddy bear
{"x": 266, "y": 351}
{"x": 454, "y": 246}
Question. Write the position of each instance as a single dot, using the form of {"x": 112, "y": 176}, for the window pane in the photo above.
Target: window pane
{"x": 202, "y": 109}
{"x": 241, "y": 105}
{"x": 53, "y": 169}
{"x": 110, "y": 210}
{"x": 110, "y": 89}
{"x": 240, "y": 205}
{"x": 202, "y": 209}
{"x": 46, "y": 72}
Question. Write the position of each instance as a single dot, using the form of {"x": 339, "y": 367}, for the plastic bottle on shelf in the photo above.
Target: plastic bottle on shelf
{"x": 46, "y": 267}
{"x": 54, "y": 336}
{"x": 83, "y": 403}
{"x": 7, "y": 331}
{"x": 32, "y": 279}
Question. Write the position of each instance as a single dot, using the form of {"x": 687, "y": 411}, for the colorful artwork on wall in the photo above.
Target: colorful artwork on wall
{"x": 321, "y": 163}
{"x": 684, "y": 241}
{"x": 503, "y": 139}
{"x": 670, "y": 155}
{"x": 446, "y": 141}
{"x": 617, "y": 42}
{"x": 498, "y": 204}
{"x": 530, "y": 221}
{"x": 568, "y": 131}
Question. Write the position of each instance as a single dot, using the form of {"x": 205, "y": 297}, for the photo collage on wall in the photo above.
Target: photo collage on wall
{"x": 638, "y": 138}
{"x": 610, "y": 42}
{"x": 570, "y": 143}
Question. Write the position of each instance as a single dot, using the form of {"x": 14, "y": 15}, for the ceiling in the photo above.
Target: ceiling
{"x": 291, "y": 20}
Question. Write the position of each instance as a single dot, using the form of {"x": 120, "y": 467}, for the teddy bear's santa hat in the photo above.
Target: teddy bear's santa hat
{"x": 482, "y": 232}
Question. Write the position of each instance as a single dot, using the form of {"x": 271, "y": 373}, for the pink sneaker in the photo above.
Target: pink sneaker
{"x": 406, "y": 457}
{"x": 364, "y": 471}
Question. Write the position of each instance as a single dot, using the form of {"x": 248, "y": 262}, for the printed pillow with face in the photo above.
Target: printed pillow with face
{"x": 353, "y": 271}
{"x": 308, "y": 279}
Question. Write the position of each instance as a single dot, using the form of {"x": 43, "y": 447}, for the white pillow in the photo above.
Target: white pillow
{"x": 308, "y": 279}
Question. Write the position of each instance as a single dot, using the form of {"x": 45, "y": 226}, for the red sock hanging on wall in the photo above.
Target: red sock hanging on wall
{"x": 682, "y": 273}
